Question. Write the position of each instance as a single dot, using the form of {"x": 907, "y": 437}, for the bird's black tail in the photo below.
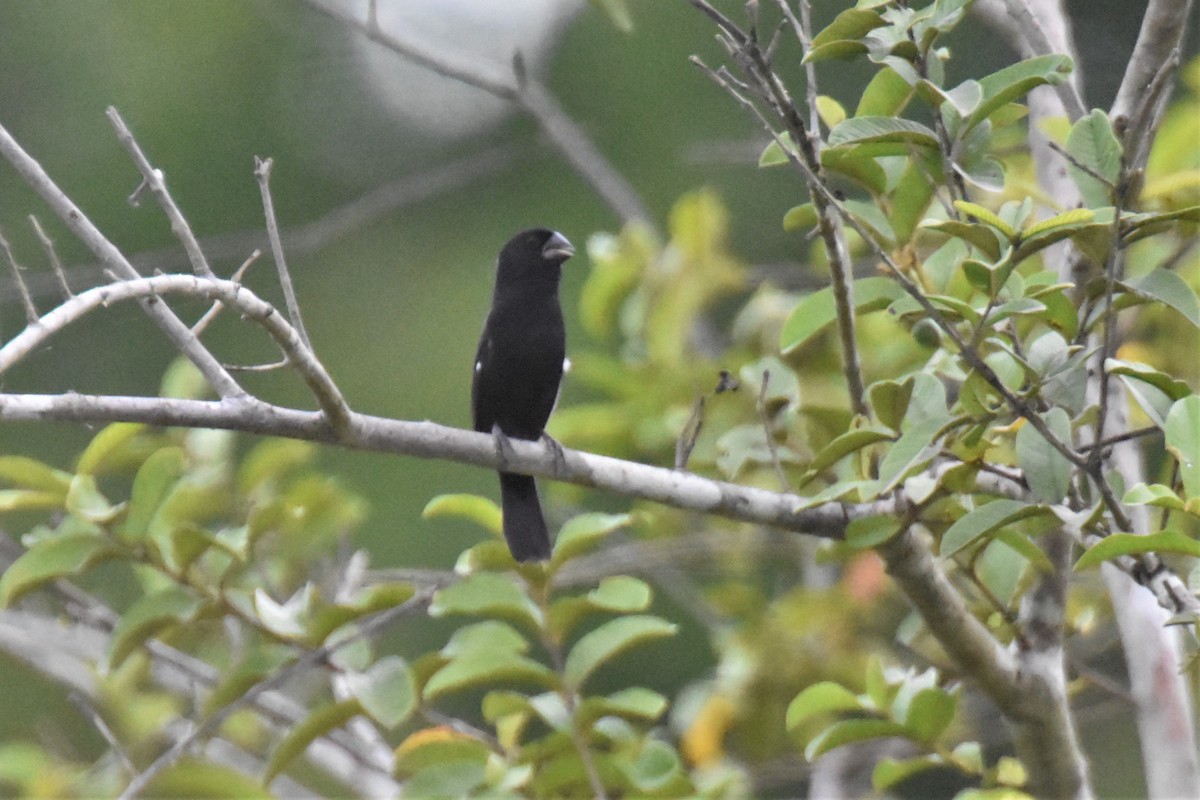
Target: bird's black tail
{"x": 524, "y": 527}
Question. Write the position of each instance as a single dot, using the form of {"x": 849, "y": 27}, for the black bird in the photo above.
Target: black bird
{"x": 518, "y": 368}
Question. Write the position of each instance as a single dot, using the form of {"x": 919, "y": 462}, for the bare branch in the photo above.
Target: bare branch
{"x": 52, "y": 255}
{"x": 85, "y": 707}
{"x": 328, "y": 396}
{"x": 212, "y": 313}
{"x": 153, "y": 180}
{"x": 31, "y": 312}
{"x": 112, "y": 258}
{"x": 278, "y": 678}
{"x": 1163, "y": 27}
{"x": 519, "y": 88}
{"x": 1033, "y": 30}
{"x": 262, "y": 171}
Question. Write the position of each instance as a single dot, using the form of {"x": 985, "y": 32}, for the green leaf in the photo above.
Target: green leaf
{"x": 800, "y": 218}
{"x": 191, "y": 778}
{"x": 1128, "y": 544}
{"x": 583, "y": 532}
{"x": 844, "y": 445}
{"x": 107, "y": 446}
{"x": 1093, "y": 145}
{"x": 299, "y": 737}
{"x": 29, "y": 500}
{"x": 825, "y": 697}
{"x": 857, "y": 163}
{"x": 387, "y": 691}
{"x": 853, "y": 23}
{"x": 830, "y": 110}
{"x": 1171, "y": 387}
{"x": 985, "y": 521}
{"x": 914, "y": 446}
{"x": 621, "y": 594}
{"x": 910, "y": 200}
{"x": 867, "y": 532}
{"x": 852, "y": 730}
{"x": 1002, "y": 87}
{"x": 986, "y": 217}
{"x": 1167, "y": 287}
{"x": 147, "y": 616}
{"x": 885, "y": 96}
{"x": 85, "y": 501}
{"x": 1182, "y": 431}
{"x": 152, "y": 484}
{"x": 481, "y": 669}
{"x": 610, "y": 640}
{"x": 28, "y": 473}
{"x": 819, "y": 310}
{"x": 1154, "y": 494}
{"x": 774, "y": 155}
{"x": 842, "y": 49}
{"x": 480, "y": 510}
{"x": 889, "y": 400}
{"x": 1068, "y": 219}
{"x": 55, "y": 557}
{"x": 635, "y": 704}
{"x": 655, "y": 767}
{"x": 1047, "y": 471}
{"x": 929, "y": 713}
{"x": 890, "y": 130}
{"x": 889, "y": 771}
{"x": 271, "y": 460}
{"x": 488, "y": 594}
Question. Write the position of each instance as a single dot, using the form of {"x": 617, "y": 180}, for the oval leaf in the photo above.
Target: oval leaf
{"x": 610, "y": 640}
{"x": 825, "y": 697}
{"x": 1128, "y": 544}
{"x": 984, "y": 521}
{"x": 52, "y": 558}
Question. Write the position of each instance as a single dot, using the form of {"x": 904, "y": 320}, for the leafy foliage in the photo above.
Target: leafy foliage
{"x": 975, "y": 353}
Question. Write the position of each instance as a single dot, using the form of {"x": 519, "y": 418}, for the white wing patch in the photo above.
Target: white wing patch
{"x": 566, "y": 365}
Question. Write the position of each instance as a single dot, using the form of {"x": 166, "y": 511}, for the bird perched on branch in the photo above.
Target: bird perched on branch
{"x": 518, "y": 368}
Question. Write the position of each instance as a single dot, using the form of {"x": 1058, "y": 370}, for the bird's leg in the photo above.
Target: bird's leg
{"x": 560, "y": 458}
{"x": 504, "y": 450}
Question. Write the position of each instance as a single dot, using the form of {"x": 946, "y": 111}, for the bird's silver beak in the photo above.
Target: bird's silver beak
{"x": 557, "y": 248}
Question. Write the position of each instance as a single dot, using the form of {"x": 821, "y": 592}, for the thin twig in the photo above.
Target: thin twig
{"x": 1031, "y": 29}
{"x": 690, "y": 433}
{"x": 1079, "y": 165}
{"x": 216, "y": 308}
{"x": 571, "y": 140}
{"x": 52, "y": 255}
{"x": 85, "y": 707}
{"x": 326, "y": 392}
{"x": 971, "y": 356}
{"x": 31, "y": 312}
{"x": 153, "y": 179}
{"x": 262, "y": 172}
{"x": 112, "y": 258}
{"x": 271, "y": 367}
{"x": 769, "y": 436}
{"x": 278, "y": 678}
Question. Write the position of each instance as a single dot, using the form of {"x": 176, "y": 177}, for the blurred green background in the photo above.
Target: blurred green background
{"x": 394, "y": 305}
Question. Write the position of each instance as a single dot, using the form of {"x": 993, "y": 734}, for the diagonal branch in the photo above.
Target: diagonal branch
{"x": 515, "y": 86}
{"x": 112, "y": 258}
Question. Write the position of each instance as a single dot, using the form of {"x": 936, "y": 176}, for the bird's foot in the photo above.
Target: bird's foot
{"x": 504, "y": 450}
{"x": 560, "y": 458}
